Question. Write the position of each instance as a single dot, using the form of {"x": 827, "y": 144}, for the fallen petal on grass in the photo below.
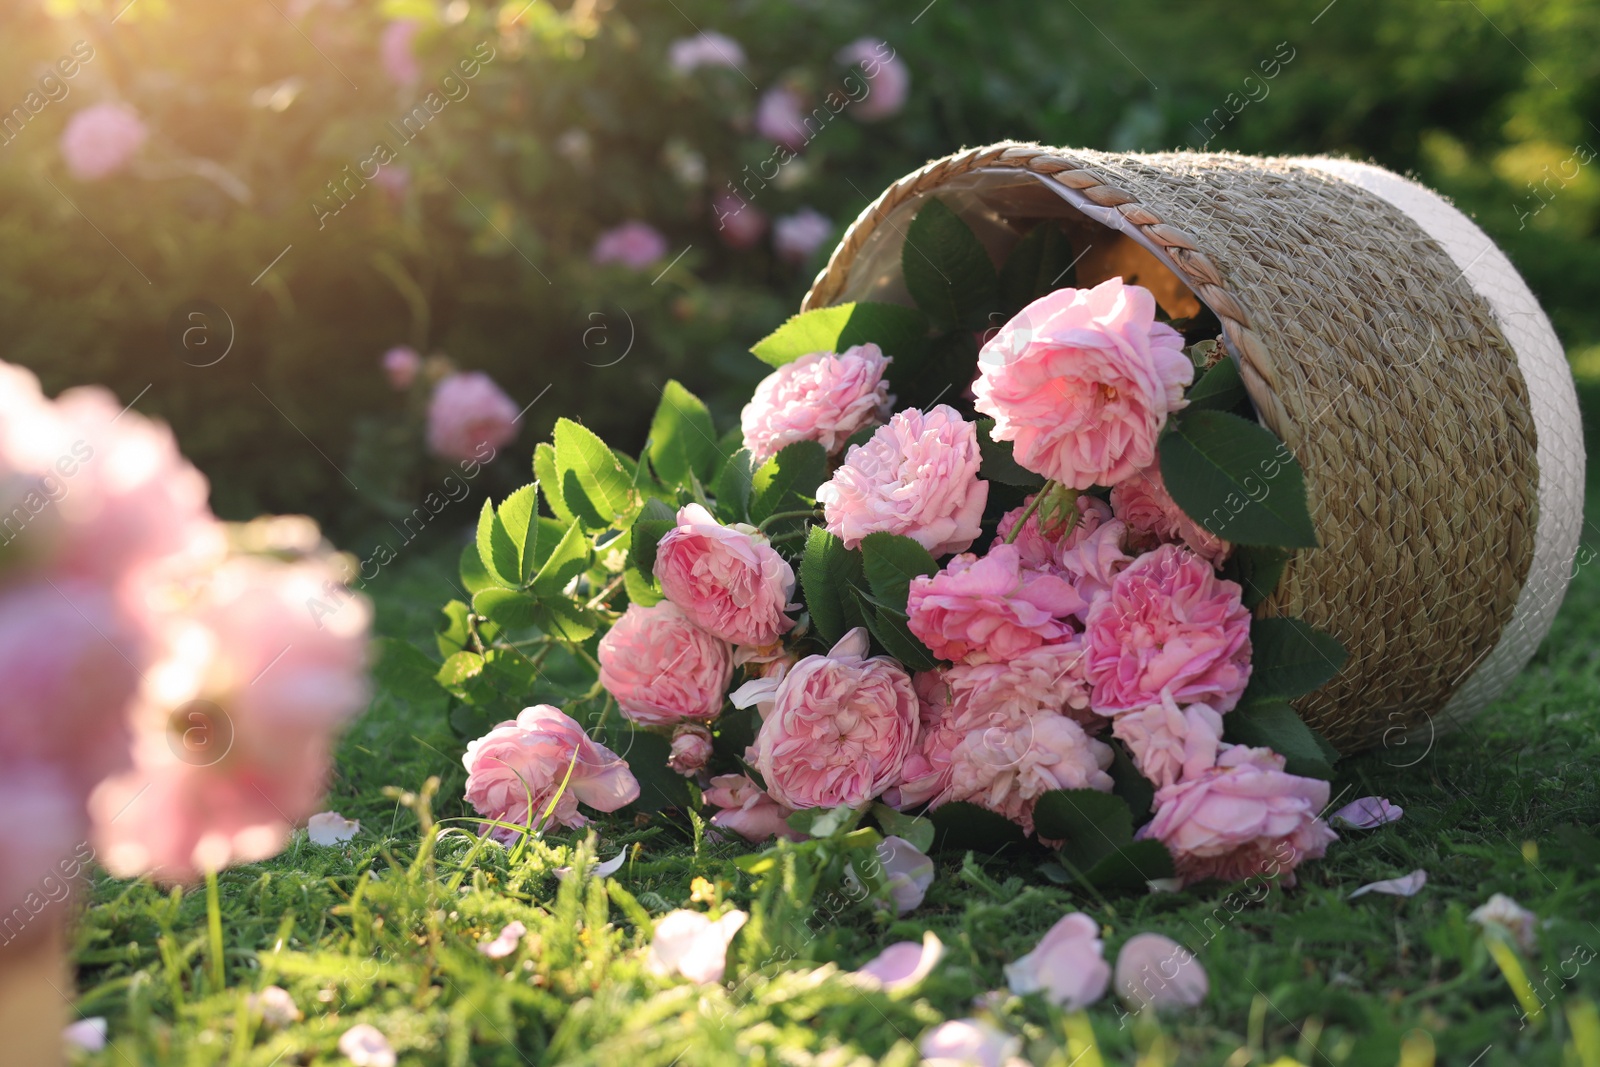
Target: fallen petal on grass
{"x": 1405, "y": 886}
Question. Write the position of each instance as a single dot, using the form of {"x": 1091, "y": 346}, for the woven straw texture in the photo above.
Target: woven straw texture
{"x": 1366, "y": 350}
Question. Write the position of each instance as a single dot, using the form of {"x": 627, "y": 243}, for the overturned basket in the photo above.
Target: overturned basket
{"x": 1383, "y": 337}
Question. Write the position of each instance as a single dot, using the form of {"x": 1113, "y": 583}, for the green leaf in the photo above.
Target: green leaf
{"x": 827, "y": 570}
{"x": 452, "y": 635}
{"x": 1219, "y": 389}
{"x": 660, "y": 787}
{"x": 567, "y": 620}
{"x": 733, "y": 487}
{"x": 898, "y": 331}
{"x": 474, "y": 577}
{"x": 1038, "y": 265}
{"x": 825, "y": 822}
{"x": 1236, "y": 479}
{"x": 517, "y": 515}
{"x": 544, "y": 469}
{"x": 942, "y": 376}
{"x": 1131, "y": 867}
{"x": 1134, "y": 789}
{"x": 683, "y": 441}
{"x": 918, "y": 831}
{"x": 647, "y": 535}
{"x": 1257, "y": 569}
{"x": 459, "y": 668}
{"x": 569, "y": 559}
{"x": 960, "y": 826}
{"x": 999, "y": 462}
{"x": 892, "y": 632}
{"x": 947, "y": 272}
{"x": 593, "y": 481}
{"x": 641, "y": 588}
{"x": 404, "y": 671}
{"x": 788, "y": 481}
{"x": 510, "y": 608}
{"x": 890, "y": 561}
{"x": 496, "y": 551}
{"x": 1094, "y": 824}
{"x": 1274, "y": 724}
{"x": 1289, "y": 658}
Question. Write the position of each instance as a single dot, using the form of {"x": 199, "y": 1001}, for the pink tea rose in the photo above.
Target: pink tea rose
{"x": 819, "y": 397}
{"x": 1156, "y": 972}
{"x": 747, "y": 810}
{"x": 1081, "y": 381}
{"x": 916, "y": 476}
{"x": 662, "y": 668}
{"x": 395, "y": 51}
{"x": 691, "y": 944}
{"x": 739, "y": 224}
{"x": 795, "y": 237}
{"x": 705, "y": 49}
{"x": 635, "y": 245}
{"x": 401, "y": 365}
{"x": 1154, "y": 518}
{"x": 888, "y": 78}
{"x": 1047, "y": 678}
{"x": 990, "y": 609}
{"x": 516, "y": 769}
{"x": 840, "y": 728}
{"x": 1169, "y": 743}
{"x": 101, "y": 140}
{"x": 727, "y": 580}
{"x": 781, "y": 118}
{"x": 970, "y": 1043}
{"x": 691, "y": 748}
{"x": 1168, "y": 624}
{"x": 1006, "y": 767}
{"x": 1094, "y": 562}
{"x": 1068, "y": 965}
{"x": 926, "y": 772}
{"x": 467, "y": 414}
{"x": 1244, "y": 817}
{"x": 1041, "y": 549}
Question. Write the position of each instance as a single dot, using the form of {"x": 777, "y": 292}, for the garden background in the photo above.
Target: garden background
{"x": 239, "y": 208}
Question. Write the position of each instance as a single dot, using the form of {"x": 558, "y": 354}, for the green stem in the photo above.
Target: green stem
{"x": 798, "y": 514}
{"x": 604, "y": 594}
{"x": 214, "y": 926}
{"x": 1033, "y": 506}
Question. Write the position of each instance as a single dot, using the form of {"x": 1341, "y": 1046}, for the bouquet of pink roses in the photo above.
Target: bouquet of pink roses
{"x": 1001, "y": 575}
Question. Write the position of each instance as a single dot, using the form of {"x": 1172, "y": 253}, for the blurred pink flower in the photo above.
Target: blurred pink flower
{"x": 969, "y": 1043}
{"x": 739, "y": 223}
{"x": 1154, "y": 518}
{"x": 1169, "y": 743}
{"x": 917, "y": 476}
{"x": 726, "y": 579}
{"x": 1501, "y": 916}
{"x": 1168, "y": 624}
{"x": 86, "y": 1034}
{"x": 275, "y": 1006}
{"x": 401, "y": 364}
{"x": 467, "y": 414}
{"x": 888, "y": 78}
{"x": 395, "y": 52}
{"x": 691, "y": 749}
{"x": 1155, "y": 971}
{"x": 690, "y": 944}
{"x": 515, "y": 771}
{"x": 1243, "y": 817}
{"x": 101, "y": 140}
{"x": 394, "y": 180}
{"x": 705, "y": 49}
{"x": 781, "y": 118}
{"x": 1068, "y": 965}
{"x": 903, "y": 964}
{"x": 662, "y": 668}
{"x": 747, "y": 810}
{"x": 635, "y": 245}
{"x": 365, "y": 1046}
{"x": 43, "y": 821}
{"x": 990, "y": 608}
{"x": 795, "y": 237}
{"x": 839, "y": 729}
{"x": 1081, "y": 381}
{"x": 823, "y": 397}
{"x": 505, "y": 942}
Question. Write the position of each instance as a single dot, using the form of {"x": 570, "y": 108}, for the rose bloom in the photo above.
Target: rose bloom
{"x": 1068, "y": 965}
{"x": 691, "y": 748}
{"x": 635, "y": 245}
{"x": 468, "y": 412}
{"x": 516, "y": 769}
{"x": 1047, "y": 678}
{"x": 926, "y": 773}
{"x": 1007, "y": 766}
{"x": 725, "y": 579}
{"x": 887, "y": 75}
{"x": 1042, "y": 549}
{"x": 395, "y": 51}
{"x": 401, "y": 365}
{"x": 1169, "y": 743}
{"x": 1082, "y": 381}
{"x": 840, "y": 728}
{"x": 819, "y": 397}
{"x": 796, "y": 237}
{"x": 780, "y": 118}
{"x": 747, "y": 810}
{"x": 739, "y": 224}
{"x": 1244, "y": 817}
{"x": 101, "y": 140}
{"x": 1093, "y": 563}
{"x": 1154, "y": 518}
{"x": 662, "y": 668}
{"x": 989, "y": 609}
{"x": 1168, "y": 624}
{"x": 917, "y": 476}
{"x": 705, "y": 49}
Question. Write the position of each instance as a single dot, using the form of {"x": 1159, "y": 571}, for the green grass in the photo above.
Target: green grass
{"x": 384, "y": 931}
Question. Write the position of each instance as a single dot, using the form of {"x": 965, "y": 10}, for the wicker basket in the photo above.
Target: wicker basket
{"x": 1383, "y": 337}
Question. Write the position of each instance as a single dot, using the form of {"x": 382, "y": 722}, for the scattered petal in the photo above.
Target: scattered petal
{"x": 1408, "y": 886}
{"x": 275, "y": 1006}
{"x": 1505, "y": 917}
{"x": 505, "y": 943}
{"x": 903, "y": 965}
{"x": 1367, "y": 813}
{"x": 968, "y": 1043}
{"x": 1164, "y": 885}
{"x": 365, "y": 1046}
{"x": 908, "y": 871}
{"x": 596, "y": 869}
{"x": 331, "y": 828}
{"x": 87, "y": 1034}
{"x": 689, "y": 943}
{"x": 1067, "y": 966}
{"x": 1156, "y": 971}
